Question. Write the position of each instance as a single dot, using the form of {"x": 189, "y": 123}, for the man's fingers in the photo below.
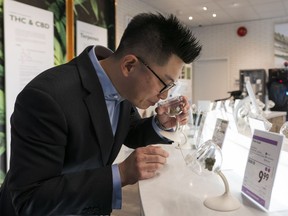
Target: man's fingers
{"x": 154, "y": 150}
{"x": 150, "y": 171}
{"x": 155, "y": 159}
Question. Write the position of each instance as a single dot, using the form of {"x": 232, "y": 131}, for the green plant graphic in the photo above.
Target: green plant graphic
{"x": 97, "y": 12}
{"x": 2, "y": 100}
{"x": 85, "y": 8}
{"x": 90, "y": 11}
{"x": 58, "y": 9}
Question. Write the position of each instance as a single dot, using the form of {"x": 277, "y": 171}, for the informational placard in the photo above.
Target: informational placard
{"x": 232, "y": 123}
{"x": 220, "y": 131}
{"x": 262, "y": 166}
{"x": 88, "y": 34}
{"x": 29, "y": 49}
{"x": 208, "y": 126}
{"x": 256, "y": 124}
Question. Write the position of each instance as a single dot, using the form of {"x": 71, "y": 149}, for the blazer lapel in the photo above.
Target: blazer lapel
{"x": 122, "y": 129}
{"x": 96, "y": 105}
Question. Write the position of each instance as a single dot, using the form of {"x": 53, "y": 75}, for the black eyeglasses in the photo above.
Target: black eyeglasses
{"x": 166, "y": 87}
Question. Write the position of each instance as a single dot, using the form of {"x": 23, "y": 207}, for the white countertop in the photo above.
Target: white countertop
{"x": 177, "y": 190}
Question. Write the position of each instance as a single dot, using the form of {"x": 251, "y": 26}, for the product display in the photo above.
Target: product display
{"x": 206, "y": 160}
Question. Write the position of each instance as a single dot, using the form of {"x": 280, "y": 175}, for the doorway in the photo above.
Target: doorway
{"x": 210, "y": 80}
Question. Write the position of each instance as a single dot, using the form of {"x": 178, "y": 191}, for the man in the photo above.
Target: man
{"x": 69, "y": 123}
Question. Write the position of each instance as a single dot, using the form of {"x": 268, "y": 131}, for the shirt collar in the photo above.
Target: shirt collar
{"x": 110, "y": 93}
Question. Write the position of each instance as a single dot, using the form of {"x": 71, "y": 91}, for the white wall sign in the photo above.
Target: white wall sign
{"x": 28, "y": 37}
{"x": 88, "y": 34}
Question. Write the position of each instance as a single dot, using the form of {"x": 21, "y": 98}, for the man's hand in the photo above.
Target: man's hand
{"x": 142, "y": 164}
{"x": 169, "y": 122}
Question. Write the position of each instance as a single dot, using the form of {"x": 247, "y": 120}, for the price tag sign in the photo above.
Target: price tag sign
{"x": 261, "y": 166}
{"x": 220, "y": 131}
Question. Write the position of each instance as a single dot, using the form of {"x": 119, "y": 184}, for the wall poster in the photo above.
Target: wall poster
{"x": 28, "y": 36}
{"x": 88, "y": 34}
{"x": 97, "y": 13}
{"x": 281, "y": 44}
{"x": 22, "y": 48}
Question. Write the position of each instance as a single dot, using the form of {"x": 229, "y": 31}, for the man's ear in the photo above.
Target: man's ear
{"x": 128, "y": 63}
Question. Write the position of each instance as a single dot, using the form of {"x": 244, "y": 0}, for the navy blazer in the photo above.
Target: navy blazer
{"x": 62, "y": 145}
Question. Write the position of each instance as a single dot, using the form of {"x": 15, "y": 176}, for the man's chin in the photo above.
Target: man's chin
{"x": 143, "y": 106}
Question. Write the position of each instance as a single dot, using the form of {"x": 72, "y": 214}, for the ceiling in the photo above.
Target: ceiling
{"x": 227, "y": 11}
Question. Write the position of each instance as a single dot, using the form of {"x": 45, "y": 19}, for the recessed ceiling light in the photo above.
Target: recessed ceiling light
{"x": 205, "y": 8}
{"x": 190, "y": 18}
{"x": 235, "y": 4}
{"x": 214, "y": 15}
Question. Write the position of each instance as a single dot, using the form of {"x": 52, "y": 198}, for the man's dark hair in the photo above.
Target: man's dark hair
{"x": 156, "y": 38}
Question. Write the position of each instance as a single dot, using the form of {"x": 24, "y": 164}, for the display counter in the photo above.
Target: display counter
{"x": 177, "y": 190}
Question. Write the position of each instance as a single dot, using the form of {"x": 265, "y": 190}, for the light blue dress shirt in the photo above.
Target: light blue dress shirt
{"x": 113, "y": 100}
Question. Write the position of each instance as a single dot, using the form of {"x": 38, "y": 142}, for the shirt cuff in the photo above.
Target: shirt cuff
{"x": 117, "y": 191}
{"x": 158, "y": 129}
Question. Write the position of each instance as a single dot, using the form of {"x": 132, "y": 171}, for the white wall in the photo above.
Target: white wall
{"x": 255, "y": 50}
{"x": 127, "y": 9}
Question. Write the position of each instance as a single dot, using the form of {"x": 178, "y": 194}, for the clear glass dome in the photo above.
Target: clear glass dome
{"x": 284, "y": 130}
{"x": 207, "y": 158}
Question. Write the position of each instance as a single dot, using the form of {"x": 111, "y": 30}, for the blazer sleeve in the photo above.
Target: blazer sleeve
{"x": 36, "y": 181}
{"x": 141, "y": 132}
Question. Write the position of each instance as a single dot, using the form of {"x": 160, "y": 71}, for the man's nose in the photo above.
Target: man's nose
{"x": 163, "y": 95}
